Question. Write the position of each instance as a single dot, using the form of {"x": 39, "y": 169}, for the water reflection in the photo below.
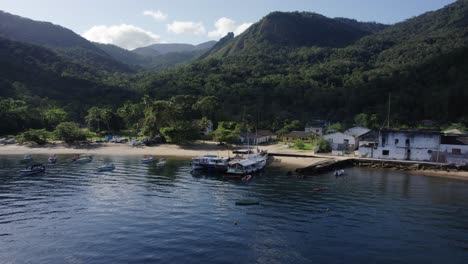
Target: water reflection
{"x": 144, "y": 213}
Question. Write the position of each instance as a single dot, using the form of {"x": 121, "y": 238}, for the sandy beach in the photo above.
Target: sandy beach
{"x": 169, "y": 150}
{"x": 193, "y": 150}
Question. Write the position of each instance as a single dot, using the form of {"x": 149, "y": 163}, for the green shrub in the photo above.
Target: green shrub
{"x": 69, "y": 132}
{"x": 299, "y": 144}
{"x": 39, "y": 136}
{"x": 323, "y": 145}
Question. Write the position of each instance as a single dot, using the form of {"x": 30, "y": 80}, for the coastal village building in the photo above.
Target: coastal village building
{"x": 316, "y": 127}
{"x": 370, "y": 138}
{"x": 296, "y": 135}
{"x": 316, "y": 130}
{"x": 356, "y": 131}
{"x": 262, "y": 136}
{"x": 453, "y": 148}
{"x": 340, "y": 142}
{"x": 404, "y": 145}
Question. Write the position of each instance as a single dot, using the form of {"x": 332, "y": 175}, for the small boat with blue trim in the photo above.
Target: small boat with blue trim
{"x": 33, "y": 170}
{"x": 106, "y": 167}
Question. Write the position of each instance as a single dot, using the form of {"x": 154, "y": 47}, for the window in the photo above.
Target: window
{"x": 383, "y": 141}
{"x": 385, "y": 152}
{"x": 456, "y": 151}
{"x": 407, "y": 141}
{"x": 346, "y": 141}
{"x": 429, "y": 151}
{"x": 396, "y": 141}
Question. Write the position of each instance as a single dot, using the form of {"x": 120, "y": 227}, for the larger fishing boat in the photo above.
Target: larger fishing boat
{"x": 248, "y": 163}
{"x": 210, "y": 163}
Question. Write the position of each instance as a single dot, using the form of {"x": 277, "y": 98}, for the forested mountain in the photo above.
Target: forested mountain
{"x": 60, "y": 39}
{"x": 123, "y": 55}
{"x": 280, "y": 30}
{"x": 274, "y": 74}
{"x": 287, "y": 66}
{"x": 164, "y": 48}
{"x": 157, "y": 56}
{"x": 29, "y": 71}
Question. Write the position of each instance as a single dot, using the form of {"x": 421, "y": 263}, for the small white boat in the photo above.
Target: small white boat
{"x": 161, "y": 162}
{"x": 338, "y": 172}
{"x": 148, "y": 159}
{"x": 84, "y": 159}
{"x": 27, "y": 158}
{"x": 106, "y": 167}
{"x": 52, "y": 159}
{"x": 33, "y": 170}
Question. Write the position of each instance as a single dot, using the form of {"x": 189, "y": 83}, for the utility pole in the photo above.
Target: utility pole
{"x": 388, "y": 112}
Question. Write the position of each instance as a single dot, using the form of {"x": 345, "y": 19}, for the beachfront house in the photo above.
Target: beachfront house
{"x": 370, "y": 138}
{"x": 340, "y": 142}
{"x": 316, "y": 130}
{"x": 316, "y": 127}
{"x": 356, "y": 131}
{"x": 296, "y": 135}
{"x": 453, "y": 148}
{"x": 261, "y": 136}
{"x": 415, "y": 145}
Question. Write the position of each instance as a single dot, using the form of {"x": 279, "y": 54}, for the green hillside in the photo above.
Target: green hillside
{"x": 62, "y": 40}
{"x": 272, "y": 74}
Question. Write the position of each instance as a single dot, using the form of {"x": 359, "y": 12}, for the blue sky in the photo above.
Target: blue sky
{"x": 124, "y": 23}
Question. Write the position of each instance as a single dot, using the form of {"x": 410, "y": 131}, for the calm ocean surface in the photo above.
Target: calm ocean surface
{"x": 143, "y": 214}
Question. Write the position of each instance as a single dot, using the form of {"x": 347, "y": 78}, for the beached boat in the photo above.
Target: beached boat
{"x": 210, "y": 163}
{"x": 34, "y": 169}
{"x": 106, "y": 167}
{"x": 148, "y": 159}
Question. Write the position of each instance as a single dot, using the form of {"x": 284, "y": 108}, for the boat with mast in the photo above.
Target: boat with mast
{"x": 248, "y": 161}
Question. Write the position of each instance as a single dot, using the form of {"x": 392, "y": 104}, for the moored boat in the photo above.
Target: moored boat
{"x": 52, "y": 159}
{"x": 148, "y": 159}
{"x": 106, "y": 167}
{"x": 33, "y": 170}
{"x": 161, "y": 162}
{"x": 247, "y": 178}
{"x": 248, "y": 165}
{"x": 84, "y": 159}
{"x": 338, "y": 173}
{"x": 27, "y": 158}
{"x": 210, "y": 163}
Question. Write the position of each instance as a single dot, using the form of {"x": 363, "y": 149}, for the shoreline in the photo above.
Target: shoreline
{"x": 194, "y": 150}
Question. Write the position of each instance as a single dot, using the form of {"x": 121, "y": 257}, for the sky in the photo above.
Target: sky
{"x": 136, "y": 23}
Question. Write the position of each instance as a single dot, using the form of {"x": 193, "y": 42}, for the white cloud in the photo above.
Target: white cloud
{"x": 186, "y": 27}
{"x": 155, "y": 14}
{"x": 225, "y": 25}
{"x": 125, "y": 36}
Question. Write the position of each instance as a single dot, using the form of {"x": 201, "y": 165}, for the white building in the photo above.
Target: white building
{"x": 404, "y": 145}
{"x": 262, "y": 136}
{"x": 454, "y": 149}
{"x": 341, "y": 142}
{"x": 316, "y": 130}
{"x": 356, "y": 131}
